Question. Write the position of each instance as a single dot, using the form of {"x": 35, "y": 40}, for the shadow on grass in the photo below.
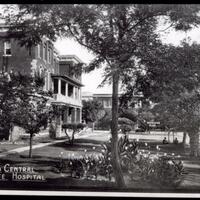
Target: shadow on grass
{"x": 93, "y": 141}
{"x": 79, "y": 144}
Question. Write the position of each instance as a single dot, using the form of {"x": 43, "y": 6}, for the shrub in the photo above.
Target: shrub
{"x": 163, "y": 171}
{"x": 127, "y": 151}
{"x": 75, "y": 127}
{"x": 104, "y": 123}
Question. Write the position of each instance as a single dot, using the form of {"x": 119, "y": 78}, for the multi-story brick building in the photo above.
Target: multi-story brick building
{"x": 56, "y": 69}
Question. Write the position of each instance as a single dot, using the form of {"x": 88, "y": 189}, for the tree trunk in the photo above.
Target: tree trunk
{"x": 30, "y": 145}
{"x": 194, "y": 144}
{"x": 184, "y": 139}
{"x": 168, "y": 133}
{"x": 72, "y": 140}
{"x": 93, "y": 123}
{"x": 114, "y": 131}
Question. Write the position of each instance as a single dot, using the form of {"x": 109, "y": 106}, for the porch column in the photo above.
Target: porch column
{"x": 80, "y": 94}
{"x": 73, "y": 115}
{"x": 59, "y": 86}
{"x": 78, "y": 119}
{"x": 66, "y": 89}
{"x": 80, "y": 115}
{"x": 74, "y": 91}
{"x": 69, "y": 117}
{"x": 59, "y": 124}
{"x": 65, "y": 116}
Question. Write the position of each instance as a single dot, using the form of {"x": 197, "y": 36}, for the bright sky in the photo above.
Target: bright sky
{"x": 90, "y": 80}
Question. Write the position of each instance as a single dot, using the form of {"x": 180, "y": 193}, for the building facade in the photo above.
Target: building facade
{"x": 67, "y": 91}
{"x": 106, "y": 99}
{"x": 56, "y": 70}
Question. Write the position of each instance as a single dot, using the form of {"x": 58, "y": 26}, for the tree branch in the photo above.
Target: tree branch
{"x": 87, "y": 46}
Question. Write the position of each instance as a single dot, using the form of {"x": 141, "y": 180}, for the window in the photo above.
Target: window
{"x": 107, "y": 103}
{"x": 63, "y": 69}
{"x": 7, "y": 48}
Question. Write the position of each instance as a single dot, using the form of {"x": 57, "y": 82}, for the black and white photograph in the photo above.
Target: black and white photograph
{"x": 100, "y": 99}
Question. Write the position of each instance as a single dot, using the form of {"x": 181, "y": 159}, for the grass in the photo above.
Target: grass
{"x": 7, "y": 146}
{"x": 46, "y": 162}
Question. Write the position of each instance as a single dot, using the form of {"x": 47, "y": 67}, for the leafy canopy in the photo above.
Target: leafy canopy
{"x": 115, "y": 33}
{"x": 92, "y": 110}
{"x": 21, "y": 103}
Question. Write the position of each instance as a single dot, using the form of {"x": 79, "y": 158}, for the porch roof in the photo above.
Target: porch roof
{"x": 67, "y": 78}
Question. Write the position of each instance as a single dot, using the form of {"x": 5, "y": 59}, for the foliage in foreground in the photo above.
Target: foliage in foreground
{"x": 139, "y": 166}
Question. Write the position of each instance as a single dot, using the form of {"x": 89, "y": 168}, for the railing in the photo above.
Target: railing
{"x": 67, "y": 99}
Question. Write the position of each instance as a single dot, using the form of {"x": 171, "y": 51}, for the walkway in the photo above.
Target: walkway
{"x": 21, "y": 149}
{"x": 192, "y": 176}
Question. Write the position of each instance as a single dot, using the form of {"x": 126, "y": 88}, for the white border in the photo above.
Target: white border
{"x": 98, "y": 194}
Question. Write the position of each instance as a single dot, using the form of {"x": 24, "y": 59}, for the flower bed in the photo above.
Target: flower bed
{"x": 139, "y": 165}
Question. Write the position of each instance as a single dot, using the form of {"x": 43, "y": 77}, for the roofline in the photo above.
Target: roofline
{"x": 72, "y": 56}
{"x": 110, "y": 95}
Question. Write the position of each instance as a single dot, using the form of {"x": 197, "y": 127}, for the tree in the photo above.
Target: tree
{"x": 115, "y": 34}
{"x": 22, "y": 105}
{"x": 171, "y": 82}
{"x": 92, "y": 111}
{"x": 32, "y": 111}
{"x": 8, "y": 103}
{"x": 75, "y": 127}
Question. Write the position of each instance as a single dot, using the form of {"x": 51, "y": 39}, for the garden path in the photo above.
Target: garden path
{"x": 21, "y": 149}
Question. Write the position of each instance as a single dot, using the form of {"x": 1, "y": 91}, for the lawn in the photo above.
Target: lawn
{"x": 23, "y": 141}
{"x": 46, "y": 161}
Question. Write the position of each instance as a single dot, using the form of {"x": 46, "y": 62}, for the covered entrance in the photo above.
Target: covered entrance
{"x": 65, "y": 114}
